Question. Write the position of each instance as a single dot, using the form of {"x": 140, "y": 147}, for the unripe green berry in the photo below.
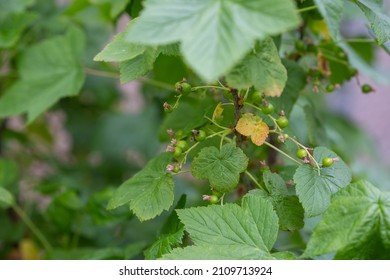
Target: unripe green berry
{"x": 214, "y": 199}
{"x": 329, "y": 88}
{"x": 186, "y": 88}
{"x": 177, "y": 153}
{"x": 301, "y": 153}
{"x": 200, "y": 135}
{"x": 300, "y": 46}
{"x": 366, "y": 88}
{"x": 326, "y": 162}
{"x": 257, "y": 97}
{"x": 282, "y": 122}
{"x": 267, "y": 109}
{"x": 183, "y": 145}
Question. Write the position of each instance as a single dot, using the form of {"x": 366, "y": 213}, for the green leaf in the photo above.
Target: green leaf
{"x": 284, "y": 256}
{"x": 164, "y": 244}
{"x": 120, "y": 49}
{"x": 379, "y": 21}
{"x": 8, "y": 173}
{"x": 229, "y": 231}
{"x": 315, "y": 187}
{"x": 171, "y": 234}
{"x": 115, "y": 7}
{"x": 194, "y": 111}
{"x": 356, "y": 225}
{"x": 221, "y": 167}
{"x": 332, "y": 11}
{"x": 287, "y": 207}
{"x": 6, "y": 197}
{"x": 48, "y": 71}
{"x": 296, "y": 81}
{"x": 138, "y": 66}
{"x": 12, "y": 26}
{"x": 14, "y": 6}
{"x": 262, "y": 69}
{"x": 214, "y": 34}
{"x": 148, "y": 192}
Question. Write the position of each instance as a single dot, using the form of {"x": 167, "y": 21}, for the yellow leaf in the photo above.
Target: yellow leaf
{"x": 253, "y": 126}
{"x": 218, "y": 111}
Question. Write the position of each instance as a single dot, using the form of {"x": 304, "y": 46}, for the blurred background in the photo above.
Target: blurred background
{"x": 64, "y": 167}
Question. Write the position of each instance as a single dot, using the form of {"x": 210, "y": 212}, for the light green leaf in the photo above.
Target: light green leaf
{"x": 8, "y": 173}
{"x": 229, "y": 231}
{"x": 221, "y": 167}
{"x": 120, "y": 49}
{"x": 295, "y": 83}
{"x": 379, "y": 21}
{"x": 138, "y": 66}
{"x": 6, "y": 197}
{"x": 332, "y": 11}
{"x": 148, "y": 192}
{"x": 314, "y": 190}
{"x": 356, "y": 225}
{"x": 265, "y": 219}
{"x": 48, "y": 72}
{"x": 284, "y": 256}
{"x": 228, "y": 252}
{"x": 262, "y": 69}
{"x": 12, "y": 26}
{"x": 215, "y": 34}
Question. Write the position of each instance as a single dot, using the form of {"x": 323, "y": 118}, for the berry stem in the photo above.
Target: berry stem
{"x": 306, "y": 9}
{"x": 255, "y": 181}
{"x": 210, "y": 87}
{"x": 283, "y": 153}
{"x": 34, "y": 229}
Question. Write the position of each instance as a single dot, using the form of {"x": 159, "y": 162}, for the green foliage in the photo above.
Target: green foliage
{"x": 149, "y": 192}
{"x": 230, "y": 231}
{"x": 262, "y": 69}
{"x": 214, "y": 45}
{"x": 315, "y": 185}
{"x": 48, "y": 71}
{"x": 356, "y": 225}
{"x": 230, "y": 89}
{"x": 221, "y": 167}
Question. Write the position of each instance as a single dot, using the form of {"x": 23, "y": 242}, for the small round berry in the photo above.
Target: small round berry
{"x": 183, "y": 145}
{"x": 300, "y": 46}
{"x": 329, "y": 88}
{"x": 257, "y": 97}
{"x": 200, "y": 135}
{"x": 176, "y": 169}
{"x": 213, "y": 199}
{"x": 177, "y": 153}
{"x": 267, "y": 108}
{"x": 301, "y": 153}
{"x": 326, "y": 162}
{"x": 186, "y": 88}
{"x": 366, "y": 88}
{"x": 282, "y": 121}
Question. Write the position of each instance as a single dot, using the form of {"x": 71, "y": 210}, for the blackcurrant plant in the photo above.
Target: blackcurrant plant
{"x": 233, "y": 155}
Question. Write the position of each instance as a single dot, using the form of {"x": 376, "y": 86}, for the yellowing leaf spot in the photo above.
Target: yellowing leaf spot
{"x": 274, "y": 90}
{"x": 253, "y": 126}
{"x": 218, "y": 111}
